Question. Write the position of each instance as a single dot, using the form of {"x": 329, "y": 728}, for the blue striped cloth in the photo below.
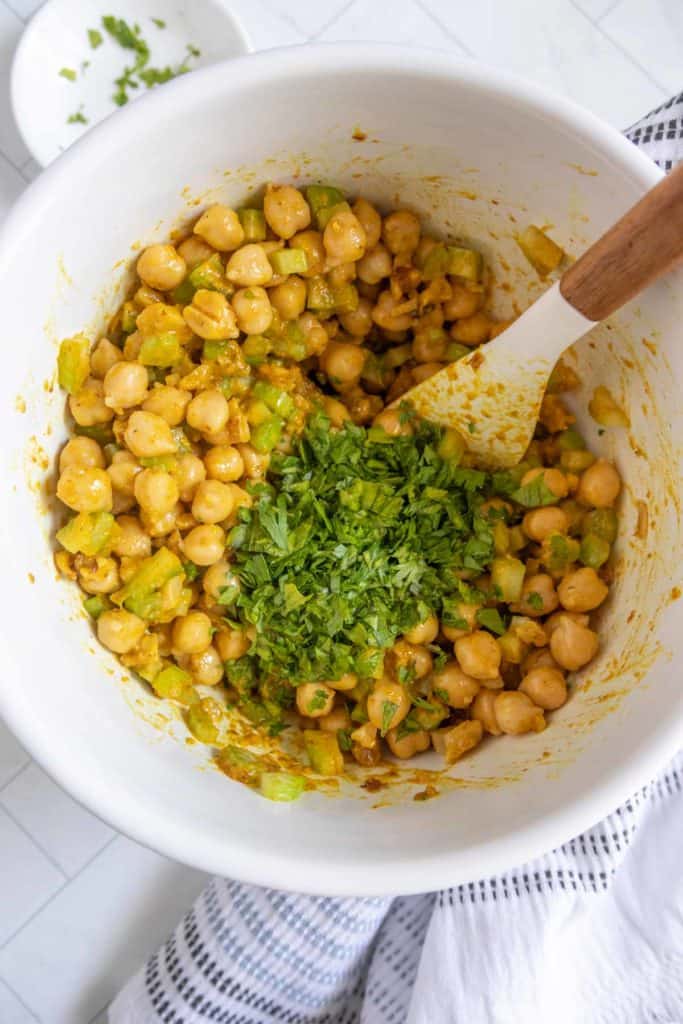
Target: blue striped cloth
{"x": 592, "y": 933}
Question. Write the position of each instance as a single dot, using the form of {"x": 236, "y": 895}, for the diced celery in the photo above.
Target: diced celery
{"x": 129, "y": 314}
{"x": 319, "y": 295}
{"x": 501, "y": 537}
{"x": 213, "y": 349}
{"x": 558, "y": 552}
{"x": 594, "y": 551}
{"x": 291, "y": 342}
{"x": 281, "y": 786}
{"x": 73, "y": 363}
{"x": 570, "y": 440}
{"x": 253, "y": 224}
{"x": 576, "y": 461}
{"x": 257, "y": 412}
{"x": 490, "y": 619}
{"x": 322, "y": 199}
{"x": 289, "y": 261}
{"x": 255, "y": 349}
{"x": 429, "y": 717}
{"x": 327, "y": 213}
{"x": 451, "y": 446}
{"x": 574, "y": 513}
{"x": 166, "y": 462}
{"x": 96, "y": 604}
{"x": 323, "y": 752}
{"x": 203, "y": 719}
{"x": 602, "y": 522}
{"x": 235, "y": 387}
{"x": 275, "y": 398}
{"x": 345, "y": 298}
{"x": 210, "y": 275}
{"x": 542, "y": 253}
{"x": 181, "y": 440}
{"x": 397, "y": 356}
{"x": 465, "y": 263}
{"x": 455, "y": 351}
{"x": 517, "y": 539}
{"x": 88, "y": 533}
{"x": 507, "y": 575}
{"x": 267, "y": 435}
{"x": 174, "y": 683}
{"x": 141, "y": 594}
{"x": 161, "y": 350}
{"x": 436, "y": 262}
{"x": 513, "y": 647}
{"x": 100, "y": 432}
{"x": 184, "y": 292}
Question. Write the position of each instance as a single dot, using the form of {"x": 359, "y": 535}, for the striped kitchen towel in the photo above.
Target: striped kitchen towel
{"x": 591, "y": 933}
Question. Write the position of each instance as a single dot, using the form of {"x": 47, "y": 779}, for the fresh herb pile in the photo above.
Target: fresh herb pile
{"x": 356, "y": 538}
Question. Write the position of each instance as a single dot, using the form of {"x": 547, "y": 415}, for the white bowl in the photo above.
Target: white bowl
{"x": 57, "y": 37}
{"x": 481, "y": 154}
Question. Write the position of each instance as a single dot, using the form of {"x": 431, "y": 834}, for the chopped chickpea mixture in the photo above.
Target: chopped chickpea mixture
{"x": 255, "y": 360}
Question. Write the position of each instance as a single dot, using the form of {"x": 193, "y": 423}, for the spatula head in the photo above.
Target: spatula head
{"x": 491, "y": 397}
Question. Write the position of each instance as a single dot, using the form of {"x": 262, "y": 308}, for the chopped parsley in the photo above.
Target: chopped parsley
{"x": 68, "y": 73}
{"x": 159, "y": 22}
{"x": 318, "y": 701}
{"x": 389, "y": 709}
{"x": 95, "y": 38}
{"x": 490, "y": 619}
{"x": 344, "y": 740}
{"x": 77, "y": 118}
{"x": 535, "y": 600}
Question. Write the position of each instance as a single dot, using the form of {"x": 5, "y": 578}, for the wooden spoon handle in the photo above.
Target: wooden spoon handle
{"x": 643, "y": 245}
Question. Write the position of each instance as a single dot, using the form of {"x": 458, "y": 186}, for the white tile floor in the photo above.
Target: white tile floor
{"x": 81, "y": 906}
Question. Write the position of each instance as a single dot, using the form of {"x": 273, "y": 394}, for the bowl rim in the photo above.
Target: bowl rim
{"x": 127, "y": 812}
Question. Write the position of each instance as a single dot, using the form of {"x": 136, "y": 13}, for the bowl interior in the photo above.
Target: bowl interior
{"x": 479, "y": 160}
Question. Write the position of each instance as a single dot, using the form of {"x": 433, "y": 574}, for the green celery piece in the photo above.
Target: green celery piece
{"x": 452, "y": 446}
{"x": 253, "y": 224}
{"x": 325, "y": 215}
{"x": 255, "y": 349}
{"x": 73, "y": 363}
{"x": 100, "y": 432}
{"x": 169, "y": 463}
{"x": 184, "y": 292}
{"x": 87, "y": 533}
{"x": 235, "y": 387}
{"x": 291, "y": 342}
{"x": 201, "y": 720}
{"x": 602, "y": 522}
{"x": 576, "y": 461}
{"x": 174, "y": 683}
{"x": 570, "y": 440}
{"x": 275, "y": 398}
{"x": 321, "y": 198}
{"x": 507, "y": 575}
{"x": 319, "y": 295}
{"x": 345, "y": 298}
{"x": 129, "y": 315}
{"x": 160, "y": 350}
{"x": 397, "y": 356}
{"x": 594, "y": 551}
{"x": 213, "y": 349}
{"x": 267, "y": 434}
{"x": 140, "y": 594}
{"x": 210, "y": 275}
{"x": 323, "y": 752}
{"x": 542, "y": 253}
{"x": 282, "y": 787}
{"x": 558, "y": 552}
{"x": 289, "y": 261}
{"x": 436, "y": 263}
{"x": 465, "y": 263}
{"x": 96, "y": 604}
{"x": 455, "y": 351}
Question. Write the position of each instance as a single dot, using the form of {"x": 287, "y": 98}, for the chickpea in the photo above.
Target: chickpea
{"x": 249, "y": 266}
{"x": 362, "y": 408}
{"x": 289, "y": 298}
{"x": 191, "y": 633}
{"x": 478, "y": 655}
{"x": 338, "y": 718}
{"x": 540, "y": 657}
{"x": 539, "y": 523}
{"x": 538, "y": 596}
{"x": 429, "y": 345}
{"x": 99, "y": 575}
{"x": 205, "y": 544}
{"x": 468, "y": 612}
{"x": 401, "y": 232}
{"x": 388, "y": 704}
{"x": 344, "y": 238}
{"x": 231, "y": 644}
{"x": 103, "y": 357}
{"x": 88, "y": 407}
{"x": 206, "y": 667}
{"x": 125, "y": 385}
{"x": 148, "y": 435}
{"x": 393, "y": 422}
{"x": 220, "y": 227}
{"x": 459, "y": 688}
{"x": 343, "y": 363}
{"x": 375, "y": 265}
{"x": 582, "y": 590}
{"x": 208, "y": 411}
{"x": 213, "y": 502}
{"x": 161, "y": 267}
{"x": 414, "y": 657}
{"x": 81, "y": 451}
{"x": 223, "y": 462}
{"x": 471, "y": 330}
{"x": 286, "y": 211}
{"x": 359, "y": 322}
{"x": 554, "y": 480}
{"x": 425, "y": 371}
{"x": 131, "y": 540}
{"x": 463, "y": 303}
{"x": 156, "y": 491}
{"x": 255, "y": 463}
{"x": 545, "y": 687}
{"x": 253, "y": 310}
{"x": 85, "y": 489}
{"x": 599, "y": 485}
{"x": 314, "y": 699}
{"x": 516, "y": 713}
{"x": 190, "y": 472}
{"x": 312, "y": 244}
{"x": 409, "y": 745}
{"x": 572, "y": 644}
{"x": 483, "y": 710}
{"x": 168, "y": 402}
{"x": 159, "y": 525}
{"x": 119, "y": 631}
{"x": 424, "y": 632}
{"x": 385, "y": 316}
{"x": 335, "y": 410}
{"x": 315, "y": 335}
{"x": 209, "y": 315}
{"x": 122, "y": 472}
{"x": 216, "y": 577}
{"x": 194, "y": 250}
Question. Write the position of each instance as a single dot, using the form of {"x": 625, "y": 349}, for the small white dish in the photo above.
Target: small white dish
{"x": 57, "y": 38}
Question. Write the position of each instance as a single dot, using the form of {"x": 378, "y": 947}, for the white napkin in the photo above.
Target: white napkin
{"x": 592, "y": 933}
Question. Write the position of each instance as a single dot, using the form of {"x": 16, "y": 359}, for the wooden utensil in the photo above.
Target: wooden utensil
{"x": 493, "y": 395}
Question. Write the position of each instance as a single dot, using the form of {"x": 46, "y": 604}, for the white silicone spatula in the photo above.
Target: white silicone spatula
{"x": 493, "y": 395}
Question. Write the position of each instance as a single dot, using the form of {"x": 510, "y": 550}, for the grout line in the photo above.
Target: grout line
{"x": 56, "y": 893}
{"x": 18, "y": 998}
{"x": 444, "y": 28}
{"x": 335, "y": 17}
{"x": 33, "y": 839}
{"x": 15, "y": 775}
{"x": 625, "y": 53}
